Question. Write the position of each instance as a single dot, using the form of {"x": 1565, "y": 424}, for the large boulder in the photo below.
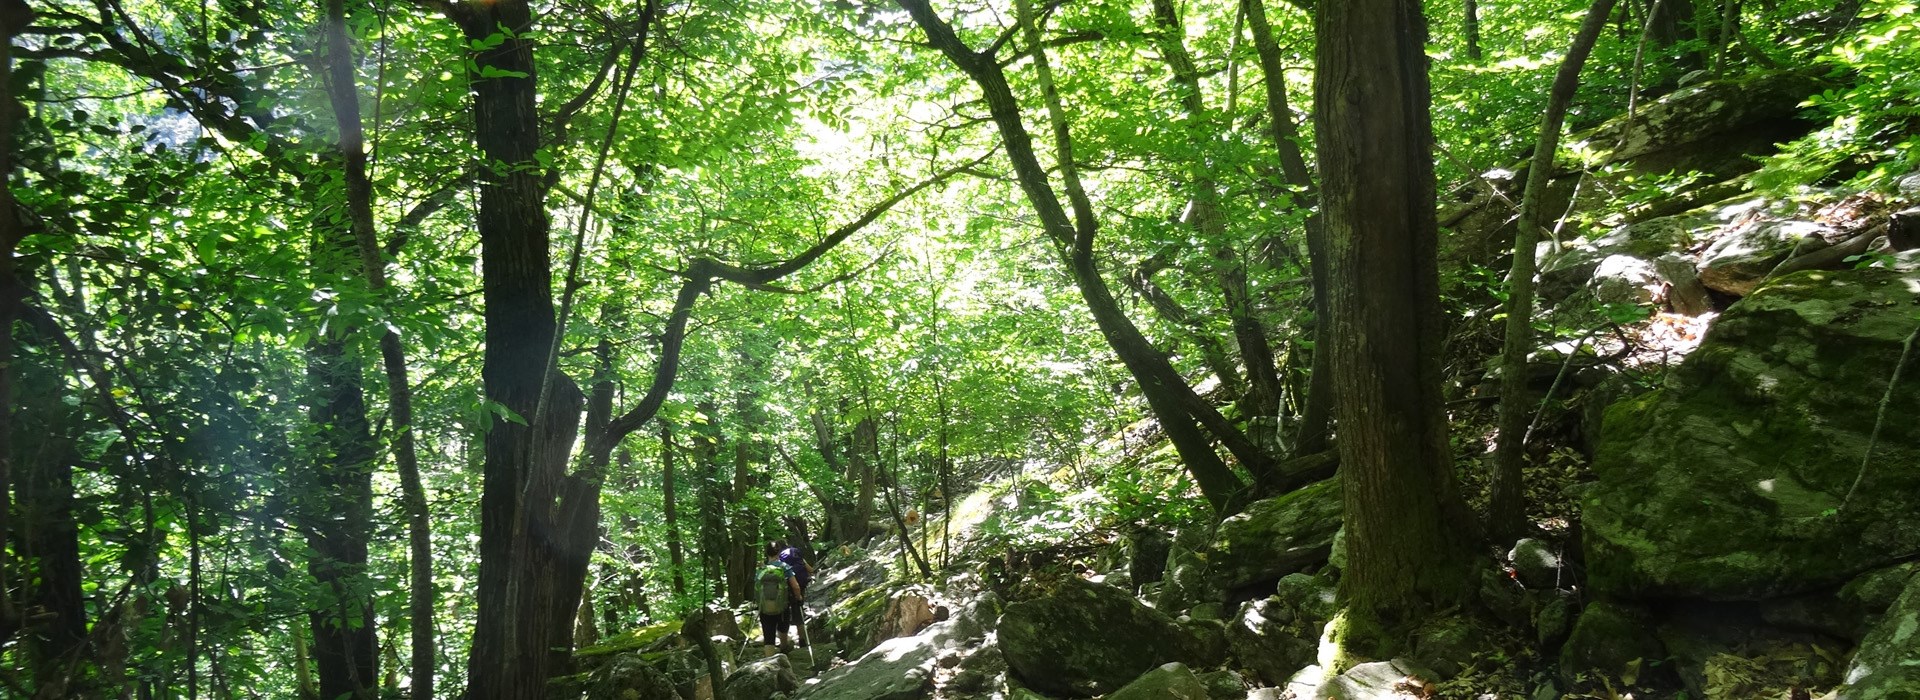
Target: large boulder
{"x": 897, "y": 669}
{"x": 1887, "y": 667}
{"x": 1087, "y": 639}
{"x": 1732, "y": 482}
{"x": 1276, "y": 537}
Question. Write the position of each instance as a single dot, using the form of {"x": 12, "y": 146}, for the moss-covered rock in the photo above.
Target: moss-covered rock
{"x": 1172, "y": 681}
{"x": 1277, "y": 536}
{"x": 1608, "y": 639}
{"x": 1728, "y": 483}
{"x": 1087, "y": 639}
{"x": 1887, "y": 667}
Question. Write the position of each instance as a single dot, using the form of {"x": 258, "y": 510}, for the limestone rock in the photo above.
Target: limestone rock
{"x": 1381, "y": 680}
{"x": 761, "y": 679}
{"x": 1186, "y": 582}
{"x": 1172, "y": 681}
{"x": 1277, "y": 536}
{"x": 897, "y": 669}
{"x": 1903, "y": 229}
{"x": 1607, "y": 638}
{"x": 1738, "y": 262}
{"x": 1887, "y": 666}
{"x": 1087, "y": 639}
{"x": 1554, "y": 620}
{"x": 1536, "y": 563}
{"x": 1727, "y": 483}
{"x": 1624, "y": 279}
{"x": 1268, "y": 638}
{"x": 1150, "y": 548}
{"x": 1685, "y": 294}
{"x": 906, "y": 614}
{"x": 627, "y": 677}
{"x": 1573, "y": 267}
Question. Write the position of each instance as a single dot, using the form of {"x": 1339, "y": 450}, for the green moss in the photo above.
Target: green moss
{"x": 633, "y": 640}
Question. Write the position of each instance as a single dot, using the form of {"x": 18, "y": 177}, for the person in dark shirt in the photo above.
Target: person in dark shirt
{"x": 803, "y": 573}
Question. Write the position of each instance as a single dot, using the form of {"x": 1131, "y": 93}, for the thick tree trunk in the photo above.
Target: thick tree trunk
{"x": 15, "y": 15}
{"x": 526, "y": 457}
{"x": 1408, "y": 537}
{"x": 1507, "y": 511}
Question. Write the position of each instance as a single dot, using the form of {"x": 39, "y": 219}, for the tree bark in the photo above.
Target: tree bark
{"x": 1408, "y": 537}
{"x": 1316, "y": 417}
{"x": 1471, "y": 27}
{"x": 668, "y": 491}
{"x": 344, "y": 96}
{"x": 525, "y": 455}
{"x": 1182, "y": 414}
{"x": 1262, "y": 397}
{"x": 15, "y": 16}
{"x": 1507, "y": 510}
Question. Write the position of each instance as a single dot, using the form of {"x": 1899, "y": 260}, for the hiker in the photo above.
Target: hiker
{"x": 803, "y": 573}
{"x": 778, "y": 587}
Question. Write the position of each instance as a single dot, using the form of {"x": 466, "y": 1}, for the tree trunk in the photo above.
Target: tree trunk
{"x": 866, "y": 450}
{"x": 1262, "y": 396}
{"x": 668, "y": 489}
{"x": 338, "y": 508}
{"x": 1317, "y": 416}
{"x": 15, "y": 15}
{"x": 1471, "y": 27}
{"x": 526, "y": 454}
{"x": 1507, "y": 511}
{"x": 1181, "y": 412}
{"x": 1408, "y": 542}
{"x": 344, "y": 96}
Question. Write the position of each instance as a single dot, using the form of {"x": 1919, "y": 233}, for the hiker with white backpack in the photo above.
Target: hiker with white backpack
{"x": 778, "y": 592}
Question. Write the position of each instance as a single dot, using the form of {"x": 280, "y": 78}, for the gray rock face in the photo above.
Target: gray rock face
{"x": 1173, "y": 681}
{"x": 1738, "y": 262}
{"x": 1728, "y": 483}
{"x": 761, "y": 679}
{"x": 897, "y": 669}
{"x": 1888, "y": 663}
{"x": 1277, "y": 536}
{"x": 1186, "y": 582}
{"x": 1087, "y": 639}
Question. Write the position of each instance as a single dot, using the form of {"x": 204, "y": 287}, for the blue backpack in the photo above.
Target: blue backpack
{"x": 791, "y": 557}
